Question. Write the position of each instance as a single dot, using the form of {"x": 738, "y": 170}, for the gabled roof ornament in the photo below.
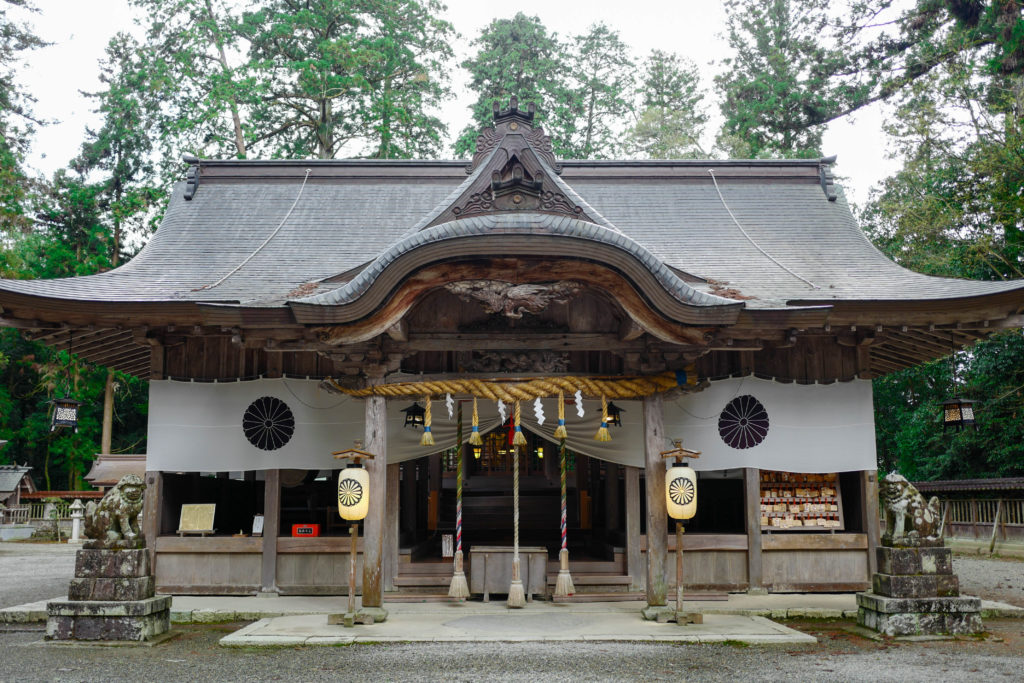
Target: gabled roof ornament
{"x": 512, "y": 114}
{"x": 514, "y": 121}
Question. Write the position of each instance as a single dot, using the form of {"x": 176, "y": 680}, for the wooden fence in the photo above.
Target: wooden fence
{"x": 985, "y": 519}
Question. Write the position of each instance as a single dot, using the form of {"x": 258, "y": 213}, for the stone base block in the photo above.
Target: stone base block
{"x": 919, "y": 616}
{"x": 104, "y": 563}
{"x": 133, "y": 588}
{"x": 915, "y": 560}
{"x": 916, "y": 585}
{"x": 136, "y": 620}
{"x": 122, "y": 544}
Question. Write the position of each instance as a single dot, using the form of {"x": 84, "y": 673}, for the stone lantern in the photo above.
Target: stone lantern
{"x": 77, "y": 513}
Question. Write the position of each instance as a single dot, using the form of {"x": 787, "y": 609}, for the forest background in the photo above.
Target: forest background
{"x": 369, "y": 78}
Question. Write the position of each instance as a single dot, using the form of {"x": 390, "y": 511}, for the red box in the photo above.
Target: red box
{"x": 306, "y": 530}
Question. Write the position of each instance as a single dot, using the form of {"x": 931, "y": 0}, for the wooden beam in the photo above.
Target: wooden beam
{"x": 390, "y": 561}
{"x": 399, "y": 331}
{"x": 271, "y": 529}
{"x": 630, "y": 330}
{"x": 373, "y": 527}
{"x": 151, "y": 506}
{"x": 752, "y": 496}
{"x": 634, "y": 558}
{"x": 498, "y": 341}
{"x": 869, "y": 518}
{"x": 657, "y": 513}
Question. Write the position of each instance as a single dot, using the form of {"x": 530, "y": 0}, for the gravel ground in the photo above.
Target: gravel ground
{"x": 839, "y": 656}
{"x": 991, "y": 578}
{"x": 34, "y": 571}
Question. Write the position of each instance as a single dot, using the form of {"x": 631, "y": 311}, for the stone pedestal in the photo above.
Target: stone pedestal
{"x": 916, "y": 593}
{"x": 110, "y": 598}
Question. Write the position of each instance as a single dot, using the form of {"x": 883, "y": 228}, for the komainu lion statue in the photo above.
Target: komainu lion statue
{"x": 116, "y": 518}
{"x": 908, "y": 519}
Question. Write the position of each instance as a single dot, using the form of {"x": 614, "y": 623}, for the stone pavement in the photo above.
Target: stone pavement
{"x": 486, "y": 622}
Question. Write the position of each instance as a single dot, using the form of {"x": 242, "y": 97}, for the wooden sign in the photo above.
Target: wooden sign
{"x": 257, "y": 525}
{"x": 447, "y": 545}
{"x": 196, "y": 519}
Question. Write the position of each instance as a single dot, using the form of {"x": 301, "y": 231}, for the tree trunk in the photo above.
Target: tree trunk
{"x": 108, "y": 412}
{"x": 236, "y": 120}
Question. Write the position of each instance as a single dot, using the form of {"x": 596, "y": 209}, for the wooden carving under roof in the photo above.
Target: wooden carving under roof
{"x": 514, "y": 169}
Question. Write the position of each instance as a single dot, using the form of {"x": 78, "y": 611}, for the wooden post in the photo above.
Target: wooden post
{"x": 353, "y": 530}
{"x": 974, "y": 518}
{"x": 995, "y": 526}
{"x": 151, "y": 506}
{"x": 373, "y": 527}
{"x": 108, "y": 413}
{"x": 434, "y": 491}
{"x": 408, "y": 497}
{"x": 869, "y": 489}
{"x": 752, "y": 497}
{"x": 634, "y": 559}
{"x": 390, "y": 562}
{"x": 945, "y": 519}
{"x": 679, "y": 566}
{"x": 271, "y": 527}
{"x": 611, "y": 496}
{"x": 657, "y": 513}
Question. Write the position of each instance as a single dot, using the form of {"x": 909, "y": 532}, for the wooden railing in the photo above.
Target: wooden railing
{"x": 984, "y": 519}
{"x": 14, "y": 515}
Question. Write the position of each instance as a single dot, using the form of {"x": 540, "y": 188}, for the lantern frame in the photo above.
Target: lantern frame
{"x": 415, "y": 415}
{"x": 615, "y": 414}
{"x": 61, "y": 417}
{"x": 957, "y": 413}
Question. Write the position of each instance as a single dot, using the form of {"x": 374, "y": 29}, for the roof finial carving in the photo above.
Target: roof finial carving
{"x": 519, "y": 123}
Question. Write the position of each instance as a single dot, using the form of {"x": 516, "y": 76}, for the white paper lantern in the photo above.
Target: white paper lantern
{"x": 681, "y": 491}
{"x": 353, "y": 493}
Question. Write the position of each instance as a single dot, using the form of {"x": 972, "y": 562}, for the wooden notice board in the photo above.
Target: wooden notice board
{"x": 196, "y": 519}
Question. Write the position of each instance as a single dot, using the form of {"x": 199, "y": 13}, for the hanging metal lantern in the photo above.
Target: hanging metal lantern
{"x": 681, "y": 491}
{"x": 957, "y": 413}
{"x": 353, "y": 493}
{"x": 615, "y": 415}
{"x": 65, "y": 414}
{"x": 414, "y": 415}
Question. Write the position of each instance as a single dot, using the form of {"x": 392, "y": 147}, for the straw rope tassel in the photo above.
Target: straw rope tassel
{"x": 563, "y": 584}
{"x": 459, "y": 588}
{"x": 519, "y": 439}
{"x": 516, "y": 595}
{"x": 560, "y": 432}
{"x": 474, "y": 435}
{"x": 428, "y": 437}
{"x": 602, "y": 433}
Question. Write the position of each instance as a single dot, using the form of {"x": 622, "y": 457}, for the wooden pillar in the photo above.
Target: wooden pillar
{"x": 408, "y": 497}
{"x": 434, "y": 495}
{"x": 108, "y": 413}
{"x": 373, "y": 527}
{"x": 869, "y": 506}
{"x": 752, "y": 501}
{"x": 151, "y": 506}
{"x": 611, "y": 496}
{"x": 271, "y": 527}
{"x": 583, "y": 490}
{"x": 390, "y": 562}
{"x": 634, "y": 559}
{"x": 657, "y": 514}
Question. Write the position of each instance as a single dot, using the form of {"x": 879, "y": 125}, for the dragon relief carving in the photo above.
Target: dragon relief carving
{"x": 514, "y": 300}
{"x": 544, "y": 362}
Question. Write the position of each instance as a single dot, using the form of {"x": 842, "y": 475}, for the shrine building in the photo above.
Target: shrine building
{"x": 733, "y": 305}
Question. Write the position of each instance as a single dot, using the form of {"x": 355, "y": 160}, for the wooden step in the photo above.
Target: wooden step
{"x": 426, "y": 568}
{"x": 621, "y": 596}
{"x": 594, "y": 579}
{"x": 589, "y": 566}
{"x": 422, "y": 580}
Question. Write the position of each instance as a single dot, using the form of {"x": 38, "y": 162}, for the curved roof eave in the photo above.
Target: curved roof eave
{"x": 517, "y": 231}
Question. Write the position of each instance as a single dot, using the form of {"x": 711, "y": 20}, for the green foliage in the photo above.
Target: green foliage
{"x": 517, "y": 56}
{"x": 672, "y": 116}
{"x": 908, "y": 415}
{"x": 774, "y": 87}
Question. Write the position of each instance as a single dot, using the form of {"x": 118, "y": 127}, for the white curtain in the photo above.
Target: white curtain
{"x": 196, "y": 426}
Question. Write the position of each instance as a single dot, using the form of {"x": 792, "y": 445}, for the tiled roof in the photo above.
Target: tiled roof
{"x": 350, "y": 214}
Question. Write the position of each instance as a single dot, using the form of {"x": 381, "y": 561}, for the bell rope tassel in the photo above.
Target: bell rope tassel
{"x": 459, "y": 589}
{"x": 428, "y": 438}
{"x": 474, "y": 435}
{"x": 563, "y": 584}
{"x": 602, "y": 433}
{"x": 519, "y": 439}
{"x": 560, "y": 432}
{"x": 516, "y": 594}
